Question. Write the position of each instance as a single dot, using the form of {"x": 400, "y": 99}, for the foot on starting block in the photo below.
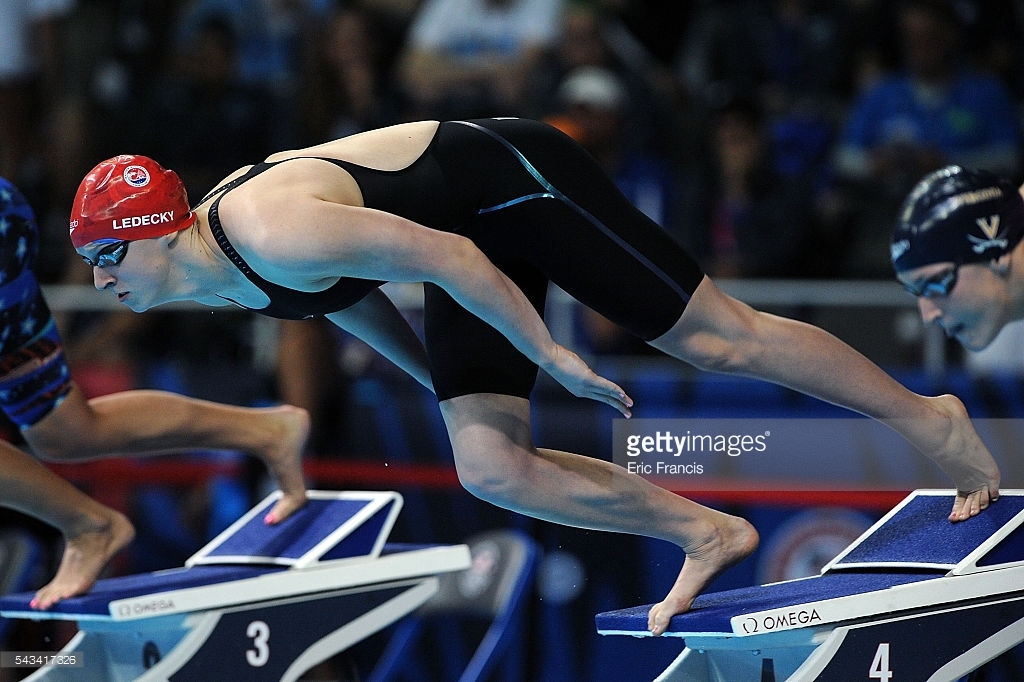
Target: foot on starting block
{"x": 233, "y": 608}
{"x": 332, "y": 525}
{"x": 915, "y": 593}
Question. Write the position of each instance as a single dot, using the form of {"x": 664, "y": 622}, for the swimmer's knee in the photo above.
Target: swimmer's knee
{"x": 708, "y": 351}
{"x": 724, "y": 340}
{"x": 493, "y": 477}
{"x": 55, "y": 439}
{"x": 491, "y": 443}
{"x": 481, "y": 481}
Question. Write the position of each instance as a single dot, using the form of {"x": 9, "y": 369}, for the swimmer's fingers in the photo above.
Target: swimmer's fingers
{"x": 968, "y": 504}
{"x": 598, "y": 388}
{"x": 574, "y": 374}
{"x": 613, "y": 395}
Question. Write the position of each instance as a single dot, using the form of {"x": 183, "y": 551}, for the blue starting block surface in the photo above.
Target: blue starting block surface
{"x": 153, "y": 589}
{"x": 910, "y": 568}
{"x": 917, "y": 534}
{"x": 320, "y": 581}
{"x": 714, "y": 612}
{"x": 310, "y": 535}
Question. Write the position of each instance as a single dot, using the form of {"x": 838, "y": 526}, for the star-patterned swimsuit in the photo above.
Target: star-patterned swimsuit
{"x": 30, "y": 345}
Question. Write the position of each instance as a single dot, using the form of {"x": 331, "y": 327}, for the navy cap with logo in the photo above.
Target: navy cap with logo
{"x": 957, "y": 215}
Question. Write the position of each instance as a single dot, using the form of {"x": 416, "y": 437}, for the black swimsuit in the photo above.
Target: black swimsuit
{"x": 542, "y": 210}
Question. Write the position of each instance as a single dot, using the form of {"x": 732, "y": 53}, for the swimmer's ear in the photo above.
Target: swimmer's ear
{"x": 171, "y": 238}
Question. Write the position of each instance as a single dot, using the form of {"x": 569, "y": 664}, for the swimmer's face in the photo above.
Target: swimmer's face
{"x": 968, "y": 301}
{"x": 134, "y": 275}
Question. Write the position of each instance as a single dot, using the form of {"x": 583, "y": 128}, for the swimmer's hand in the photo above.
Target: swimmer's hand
{"x": 951, "y": 441}
{"x": 570, "y": 371}
{"x": 966, "y": 460}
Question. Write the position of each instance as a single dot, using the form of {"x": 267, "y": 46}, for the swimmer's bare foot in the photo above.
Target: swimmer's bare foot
{"x": 283, "y": 456}
{"x": 86, "y": 553}
{"x": 728, "y": 542}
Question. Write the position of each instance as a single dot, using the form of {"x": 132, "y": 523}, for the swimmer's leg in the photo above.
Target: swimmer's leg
{"x": 93, "y": 533}
{"x": 718, "y": 333}
{"x": 497, "y": 461}
{"x": 157, "y": 422}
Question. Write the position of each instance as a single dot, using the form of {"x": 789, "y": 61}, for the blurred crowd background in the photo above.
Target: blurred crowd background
{"x": 774, "y": 138}
{"x": 770, "y": 136}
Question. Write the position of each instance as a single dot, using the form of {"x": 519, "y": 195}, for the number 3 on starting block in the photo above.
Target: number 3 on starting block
{"x": 259, "y": 632}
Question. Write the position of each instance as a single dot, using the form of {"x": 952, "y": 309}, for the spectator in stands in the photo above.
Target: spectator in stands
{"x": 788, "y": 59}
{"x": 347, "y": 88}
{"x": 31, "y": 72}
{"x": 273, "y": 38}
{"x": 466, "y": 58}
{"x": 744, "y": 217}
{"x": 935, "y": 110}
{"x": 591, "y": 37}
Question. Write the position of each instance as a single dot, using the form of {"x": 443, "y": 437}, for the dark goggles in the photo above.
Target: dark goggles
{"x": 936, "y": 286}
{"x": 108, "y": 256}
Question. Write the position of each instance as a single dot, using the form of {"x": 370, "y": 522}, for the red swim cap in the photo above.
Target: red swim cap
{"x": 127, "y": 198}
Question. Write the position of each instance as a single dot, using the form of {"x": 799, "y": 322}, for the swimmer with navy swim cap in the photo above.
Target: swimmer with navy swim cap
{"x": 955, "y": 247}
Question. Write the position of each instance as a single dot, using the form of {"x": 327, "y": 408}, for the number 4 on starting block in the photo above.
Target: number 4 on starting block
{"x": 880, "y": 665}
{"x": 915, "y": 598}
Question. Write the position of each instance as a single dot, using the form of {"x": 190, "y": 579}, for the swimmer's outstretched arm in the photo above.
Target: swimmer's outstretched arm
{"x": 376, "y": 321}
{"x": 370, "y": 244}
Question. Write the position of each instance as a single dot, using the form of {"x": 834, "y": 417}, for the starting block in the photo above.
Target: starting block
{"x": 258, "y": 602}
{"x": 915, "y": 598}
